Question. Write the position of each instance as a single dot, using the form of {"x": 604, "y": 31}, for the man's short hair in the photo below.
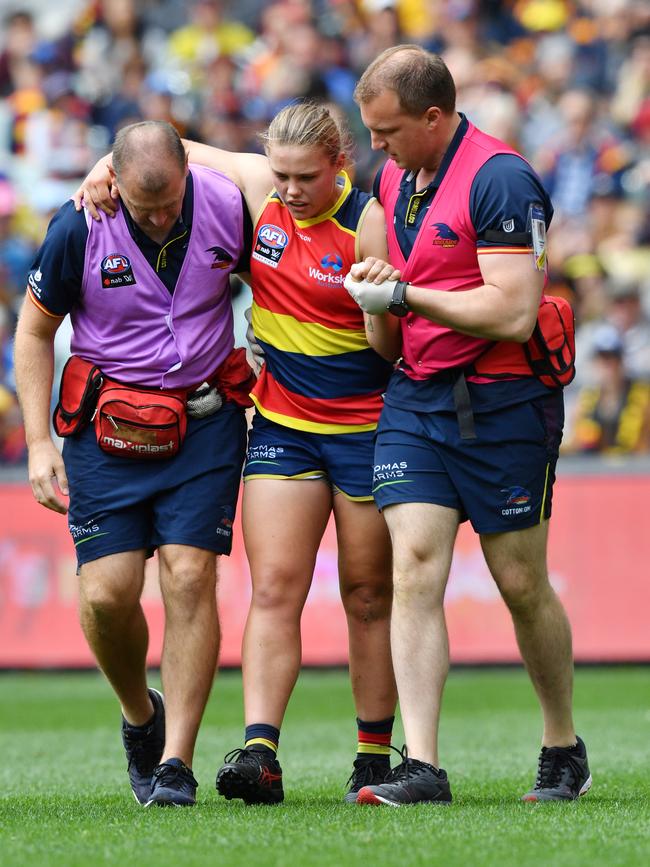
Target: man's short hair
{"x": 419, "y": 78}
{"x": 153, "y": 146}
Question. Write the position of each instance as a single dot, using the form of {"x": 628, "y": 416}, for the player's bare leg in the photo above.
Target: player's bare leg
{"x": 365, "y": 577}
{"x": 365, "y": 574}
{"x": 283, "y": 523}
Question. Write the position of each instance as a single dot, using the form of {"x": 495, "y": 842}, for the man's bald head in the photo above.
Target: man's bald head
{"x": 152, "y": 152}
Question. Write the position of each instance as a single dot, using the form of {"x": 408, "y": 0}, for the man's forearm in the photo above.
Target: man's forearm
{"x": 34, "y": 359}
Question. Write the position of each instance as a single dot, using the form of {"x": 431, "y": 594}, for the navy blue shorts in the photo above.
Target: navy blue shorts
{"x": 502, "y": 480}
{"x": 279, "y": 452}
{"x": 120, "y": 504}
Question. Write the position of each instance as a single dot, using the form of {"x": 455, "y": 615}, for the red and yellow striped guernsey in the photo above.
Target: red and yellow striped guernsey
{"x": 320, "y": 374}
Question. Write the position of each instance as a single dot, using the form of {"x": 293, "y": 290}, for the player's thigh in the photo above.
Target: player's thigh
{"x": 517, "y": 560}
{"x": 423, "y": 536}
{"x": 364, "y": 549}
{"x": 283, "y": 522}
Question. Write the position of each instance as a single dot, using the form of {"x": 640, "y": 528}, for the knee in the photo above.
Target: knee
{"x": 368, "y": 601}
{"x": 274, "y": 591}
{"x": 419, "y": 578}
{"x": 105, "y": 603}
{"x": 523, "y": 593}
{"x": 187, "y": 584}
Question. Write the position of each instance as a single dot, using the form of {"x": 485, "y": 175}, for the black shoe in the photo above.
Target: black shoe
{"x": 173, "y": 785}
{"x": 255, "y": 776}
{"x": 410, "y": 782}
{"x": 144, "y": 746}
{"x": 367, "y": 772}
{"x": 562, "y": 774}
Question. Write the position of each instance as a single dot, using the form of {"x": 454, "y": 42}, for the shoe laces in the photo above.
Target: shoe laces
{"x": 553, "y": 762}
{"x": 143, "y": 750}
{"x": 243, "y": 756}
{"x": 407, "y": 768}
{"x": 366, "y": 773}
{"x": 168, "y": 775}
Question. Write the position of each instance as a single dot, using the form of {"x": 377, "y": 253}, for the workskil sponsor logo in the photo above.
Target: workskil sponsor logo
{"x": 326, "y": 278}
{"x": 270, "y": 244}
{"x": 116, "y": 270}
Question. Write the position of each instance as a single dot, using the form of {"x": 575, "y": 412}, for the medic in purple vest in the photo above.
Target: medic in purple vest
{"x": 148, "y": 295}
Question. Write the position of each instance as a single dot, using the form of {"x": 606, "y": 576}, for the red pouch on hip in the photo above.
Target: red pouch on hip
{"x": 80, "y": 384}
{"x": 137, "y": 423}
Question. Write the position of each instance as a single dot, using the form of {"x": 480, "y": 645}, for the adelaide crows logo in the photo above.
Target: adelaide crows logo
{"x": 516, "y": 495}
{"x": 445, "y": 237}
{"x": 222, "y": 258}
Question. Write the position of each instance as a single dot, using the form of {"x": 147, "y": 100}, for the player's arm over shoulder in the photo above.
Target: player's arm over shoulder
{"x": 250, "y": 172}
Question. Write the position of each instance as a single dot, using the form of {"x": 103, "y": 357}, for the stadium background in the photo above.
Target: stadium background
{"x": 568, "y": 83}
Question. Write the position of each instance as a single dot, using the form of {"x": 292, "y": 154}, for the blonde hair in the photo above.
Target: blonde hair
{"x": 308, "y": 124}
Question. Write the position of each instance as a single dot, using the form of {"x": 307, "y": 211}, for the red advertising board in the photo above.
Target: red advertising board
{"x": 599, "y": 553}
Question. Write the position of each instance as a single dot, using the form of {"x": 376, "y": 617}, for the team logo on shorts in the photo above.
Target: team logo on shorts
{"x": 270, "y": 244}
{"x": 116, "y": 270}
{"x": 517, "y": 500}
{"x": 224, "y": 527}
{"x": 445, "y": 237}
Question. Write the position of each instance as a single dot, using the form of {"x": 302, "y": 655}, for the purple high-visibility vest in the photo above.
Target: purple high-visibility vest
{"x": 126, "y": 321}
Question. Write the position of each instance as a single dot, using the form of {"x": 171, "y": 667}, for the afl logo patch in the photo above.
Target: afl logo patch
{"x": 270, "y": 244}
{"x": 116, "y": 270}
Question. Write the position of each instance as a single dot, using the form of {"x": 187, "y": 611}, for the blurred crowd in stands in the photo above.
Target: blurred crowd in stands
{"x": 564, "y": 81}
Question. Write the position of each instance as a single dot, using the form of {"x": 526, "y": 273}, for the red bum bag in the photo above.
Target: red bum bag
{"x": 136, "y": 422}
{"x": 130, "y": 421}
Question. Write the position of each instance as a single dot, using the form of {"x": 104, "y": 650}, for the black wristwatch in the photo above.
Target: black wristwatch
{"x": 397, "y": 305}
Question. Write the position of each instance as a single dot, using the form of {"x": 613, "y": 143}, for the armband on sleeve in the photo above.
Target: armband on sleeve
{"x": 513, "y": 239}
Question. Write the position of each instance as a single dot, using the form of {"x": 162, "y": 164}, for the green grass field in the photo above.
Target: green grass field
{"x": 65, "y": 798}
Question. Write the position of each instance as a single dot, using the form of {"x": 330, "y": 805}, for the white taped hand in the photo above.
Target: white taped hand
{"x": 256, "y": 350}
{"x": 371, "y": 297}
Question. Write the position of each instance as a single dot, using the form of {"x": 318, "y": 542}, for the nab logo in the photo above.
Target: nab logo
{"x": 331, "y": 260}
{"x": 273, "y": 236}
{"x": 445, "y": 237}
{"x": 115, "y": 264}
